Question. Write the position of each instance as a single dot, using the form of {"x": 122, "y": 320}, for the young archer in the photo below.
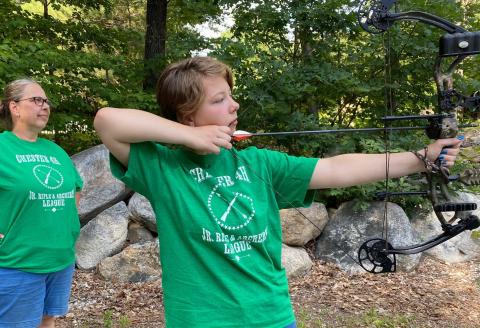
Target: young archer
{"x": 217, "y": 208}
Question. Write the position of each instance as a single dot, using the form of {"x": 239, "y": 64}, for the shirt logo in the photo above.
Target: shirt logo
{"x": 48, "y": 176}
{"x": 233, "y": 213}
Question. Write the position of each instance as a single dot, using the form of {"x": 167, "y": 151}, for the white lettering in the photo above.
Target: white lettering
{"x": 241, "y": 174}
{"x": 54, "y": 160}
{"x": 260, "y": 238}
{"x": 222, "y": 238}
{"x": 206, "y": 235}
{"x": 237, "y": 247}
{"x": 225, "y": 181}
{"x": 198, "y": 174}
{"x": 32, "y": 158}
{"x": 54, "y": 202}
{"x": 70, "y": 194}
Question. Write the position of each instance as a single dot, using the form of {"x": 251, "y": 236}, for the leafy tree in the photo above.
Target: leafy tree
{"x": 81, "y": 4}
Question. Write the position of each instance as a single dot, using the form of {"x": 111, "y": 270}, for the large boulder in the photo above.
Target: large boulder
{"x": 296, "y": 261}
{"x": 349, "y": 228}
{"x": 142, "y": 212}
{"x": 136, "y": 263}
{"x": 103, "y": 236}
{"x": 100, "y": 189}
{"x": 299, "y": 226}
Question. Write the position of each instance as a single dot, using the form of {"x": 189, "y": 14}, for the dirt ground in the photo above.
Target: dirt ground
{"x": 434, "y": 295}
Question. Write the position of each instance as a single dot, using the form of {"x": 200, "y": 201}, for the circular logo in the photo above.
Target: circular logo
{"x": 232, "y": 212}
{"x": 48, "y": 176}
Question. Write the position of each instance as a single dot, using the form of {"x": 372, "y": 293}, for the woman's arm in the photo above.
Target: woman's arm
{"x": 77, "y": 199}
{"x": 119, "y": 127}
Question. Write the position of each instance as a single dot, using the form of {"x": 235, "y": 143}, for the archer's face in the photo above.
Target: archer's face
{"x": 218, "y": 107}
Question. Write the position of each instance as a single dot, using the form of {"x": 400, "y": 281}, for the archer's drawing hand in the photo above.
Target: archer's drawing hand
{"x": 446, "y": 150}
{"x": 209, "y": 139}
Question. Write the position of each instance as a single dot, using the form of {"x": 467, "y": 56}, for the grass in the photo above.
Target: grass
{"x": 323, "y": 318}
{"x": 369, "y": 319}
{"x": 110, "y": 322}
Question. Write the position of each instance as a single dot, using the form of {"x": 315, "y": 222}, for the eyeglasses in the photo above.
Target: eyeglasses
{"x": 39, "y": 101}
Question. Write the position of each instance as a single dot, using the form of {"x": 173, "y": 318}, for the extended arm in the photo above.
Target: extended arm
{"x": 355, "y": 169}
{"x": 119, "y": 127}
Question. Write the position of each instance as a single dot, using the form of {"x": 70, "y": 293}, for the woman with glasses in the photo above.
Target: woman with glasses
{"x": 39, "y": 222}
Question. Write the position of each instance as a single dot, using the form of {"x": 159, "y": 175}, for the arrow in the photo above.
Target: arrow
{"x": 239, "y": 135}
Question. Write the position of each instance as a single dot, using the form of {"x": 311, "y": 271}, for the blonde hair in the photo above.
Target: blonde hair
{"x": 180, "y": 86}
{"x": 14, "y": 91}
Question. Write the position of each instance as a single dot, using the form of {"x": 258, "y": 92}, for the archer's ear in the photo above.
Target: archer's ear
{"x": 188, "y": 120}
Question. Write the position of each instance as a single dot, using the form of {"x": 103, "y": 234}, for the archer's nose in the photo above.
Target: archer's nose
{"x": 234, "y": 106}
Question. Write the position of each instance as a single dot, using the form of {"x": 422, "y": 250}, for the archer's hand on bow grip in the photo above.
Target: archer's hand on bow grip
{"x": 444, "y": 150}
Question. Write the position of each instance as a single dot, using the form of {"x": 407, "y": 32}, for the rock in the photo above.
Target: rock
{"x": 103, "y": 236}
{"x": 349, "y": 228}
{"x": 136, "y": 263}
{"x": 297, "y": 230}
{"x": 100, "y": 189}
{"x": 142, "y": 212}
{"x": 138, "y": 234}
{"x": 296, "y": 261}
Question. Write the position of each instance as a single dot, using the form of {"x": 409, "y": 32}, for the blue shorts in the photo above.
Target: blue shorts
{"x": 26, "y": 297}
{"x": 292, "y": 325}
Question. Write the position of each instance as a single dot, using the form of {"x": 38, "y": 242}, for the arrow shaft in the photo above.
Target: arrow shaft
{"x": 308, "y": 132}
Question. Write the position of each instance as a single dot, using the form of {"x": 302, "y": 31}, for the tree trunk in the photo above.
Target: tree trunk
{"x": 45, "y": 8}
{"x": 154, "y": 40}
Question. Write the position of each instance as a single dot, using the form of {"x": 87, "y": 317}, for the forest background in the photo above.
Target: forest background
{"x": 298, "y": 65}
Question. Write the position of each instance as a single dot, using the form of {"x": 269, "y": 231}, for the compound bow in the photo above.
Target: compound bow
{"x": 378, "y": 255}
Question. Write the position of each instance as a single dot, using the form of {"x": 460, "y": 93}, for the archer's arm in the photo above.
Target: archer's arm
{"x": 120, "y": 127}
{"x": 355, "y": 169}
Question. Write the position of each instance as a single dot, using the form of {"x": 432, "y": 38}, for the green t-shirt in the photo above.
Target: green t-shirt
{"x": 38, "y": 215}
{"x": 220, "y": 231}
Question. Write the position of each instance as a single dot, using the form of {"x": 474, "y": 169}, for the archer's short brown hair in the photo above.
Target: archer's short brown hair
{"x": 180, "y": 86}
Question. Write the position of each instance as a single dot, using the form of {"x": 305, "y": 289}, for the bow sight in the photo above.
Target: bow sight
{"x": 377, "y": 255}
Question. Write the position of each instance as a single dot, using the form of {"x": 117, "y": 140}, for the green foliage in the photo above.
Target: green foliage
{"x": 377, "y": 320}
{"x": 124, "y": 322}
{"x": 80, "y": 65}
{"x": 299, "y": 65}
{"x": 372, "y": 318}
{"x": 108, "y": 319}
{"x": 475, "y": 234}
{"x": 85, "y": 60}
{"x": 304, "y": 65}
